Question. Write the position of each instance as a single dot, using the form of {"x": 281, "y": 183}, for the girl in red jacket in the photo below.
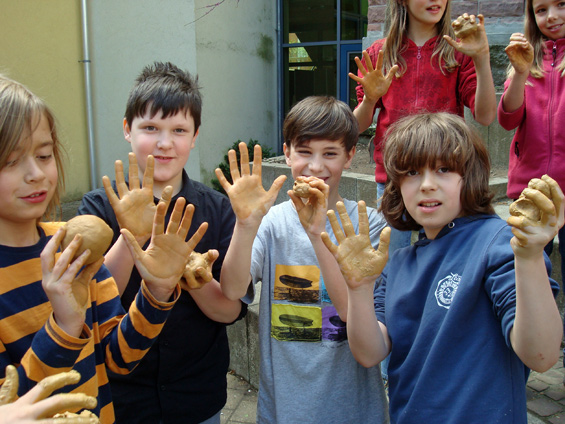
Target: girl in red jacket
{"x": 534, "y": 100}
{"x": 419, "y": 67}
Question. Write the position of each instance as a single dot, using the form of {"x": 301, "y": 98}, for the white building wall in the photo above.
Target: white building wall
{"x": 231, "y": 48}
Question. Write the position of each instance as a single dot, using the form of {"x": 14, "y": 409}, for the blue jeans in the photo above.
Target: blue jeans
{"x": 398, "y": 238}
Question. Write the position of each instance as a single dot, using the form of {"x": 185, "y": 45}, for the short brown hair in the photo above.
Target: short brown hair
{"x": 20, "y": 114}
{"x": 320, "y": 118}
{"x": 167, "y": 88}
{"x": 418, "y": 141}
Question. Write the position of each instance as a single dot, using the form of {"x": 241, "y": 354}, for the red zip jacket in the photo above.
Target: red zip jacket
{"x": 422, "y": 88}
{"x": 538, "y": 146}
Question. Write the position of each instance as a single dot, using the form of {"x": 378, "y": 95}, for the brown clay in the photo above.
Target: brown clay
{"x": 301, "y": 188}
{"x": 196, "y": 260}
{"x": 526, "y": 208}
{"x": 96, "y": 236}
{"x": 463, "y": 27}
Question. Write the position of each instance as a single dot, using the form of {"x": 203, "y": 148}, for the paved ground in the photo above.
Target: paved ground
{"x": 546, "y": 398}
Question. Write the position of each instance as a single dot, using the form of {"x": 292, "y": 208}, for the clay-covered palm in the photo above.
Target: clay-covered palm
{"x": 475, "y": 44}
{"x": 38, "y": 402}
{"x": 313, "y": 212}
{"x": 520, "y": 53}
{"x": 66, "y": 281}
{"x": 162, "y": 264}
{"x": 248, "y": 198}
{"x": 360, "y": 264}
{"x": 134, "y": 206}
{"x": 198, "y": 270}
{"x": 530, "y": 237}
{"x": 375, "y": 83}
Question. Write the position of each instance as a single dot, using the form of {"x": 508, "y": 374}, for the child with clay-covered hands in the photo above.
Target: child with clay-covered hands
{"x": 134, "y": 207}
{"x": 472, "y": 294}
{"x": 39, "y": 406}
{"x": 305, "y": 356}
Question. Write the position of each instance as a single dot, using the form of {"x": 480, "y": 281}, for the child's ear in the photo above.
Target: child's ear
{"x": 350, "y": 155}
{"x": 127, "y": 131}
{"x": 286, "y": 151}
{"x": 194, "y": 138}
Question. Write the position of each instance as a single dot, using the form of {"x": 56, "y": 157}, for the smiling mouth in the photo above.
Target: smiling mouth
{"x": 429, "y": 204}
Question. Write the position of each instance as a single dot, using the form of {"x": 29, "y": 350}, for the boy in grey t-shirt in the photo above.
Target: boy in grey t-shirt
{"x": 308, "y": 373}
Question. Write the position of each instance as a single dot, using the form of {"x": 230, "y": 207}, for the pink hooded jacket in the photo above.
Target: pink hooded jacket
{"x": 538, "y": 147}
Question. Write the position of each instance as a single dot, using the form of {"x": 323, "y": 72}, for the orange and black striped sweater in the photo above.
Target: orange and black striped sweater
{"x": 31, "y": 340}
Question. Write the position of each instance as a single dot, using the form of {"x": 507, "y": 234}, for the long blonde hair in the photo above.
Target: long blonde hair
{"x": 537, "y": 40}
{"x": 394, "y": 44}
{"x": 20, "y": 113}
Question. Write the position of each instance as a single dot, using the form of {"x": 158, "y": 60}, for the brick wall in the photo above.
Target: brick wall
{"x": 502, "y": 17}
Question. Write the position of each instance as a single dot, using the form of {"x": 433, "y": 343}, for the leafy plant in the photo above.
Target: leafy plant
{"x": 225, "y": 164}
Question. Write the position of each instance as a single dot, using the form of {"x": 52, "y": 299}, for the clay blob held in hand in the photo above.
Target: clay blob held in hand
{"x": 463, "y": 27}
{"x": 301, "y": 188}
{"x": 96, "y": 236}
{"x": 196, "y": 260}
{"x": 525, "y": 207}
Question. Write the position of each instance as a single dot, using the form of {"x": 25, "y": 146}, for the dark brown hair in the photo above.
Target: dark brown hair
{"x": 167, "y": 88}
{"x": 320, "y": 118}
{"x": 423, "y": 140}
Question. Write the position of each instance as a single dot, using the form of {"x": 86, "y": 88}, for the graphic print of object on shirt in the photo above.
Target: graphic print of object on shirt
{"x": 446, "y": 290}
{"x": 297, "y": 283}
{"x": 296, "y": 323}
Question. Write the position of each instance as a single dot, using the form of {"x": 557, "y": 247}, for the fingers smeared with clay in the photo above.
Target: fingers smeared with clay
{"x": 45, "y": 404}
{"x": 96, "y": 236}
{"x": 464, "y": 26}
{"x": 301, "y": 187}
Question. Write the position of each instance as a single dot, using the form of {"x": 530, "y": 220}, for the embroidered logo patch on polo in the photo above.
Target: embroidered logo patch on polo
{"x": 446, "y": 289}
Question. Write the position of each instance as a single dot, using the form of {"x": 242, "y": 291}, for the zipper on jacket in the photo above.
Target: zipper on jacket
{"x": 554, "y": 53}
{"x": 418, "y": 57}
{"x": 553, "y": 75}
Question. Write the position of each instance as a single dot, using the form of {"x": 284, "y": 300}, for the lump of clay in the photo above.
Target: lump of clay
{"x": 196, "y": 260}
{"x": 524, "y": 206}
{"x": 463, "y": 27}
{"x": 96, "y": 236}
{"x": 301, "y": 188}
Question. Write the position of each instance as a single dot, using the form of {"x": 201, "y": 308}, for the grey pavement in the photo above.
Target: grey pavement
{"x": 241, "y": 406}
{"x": 545, "y": 397}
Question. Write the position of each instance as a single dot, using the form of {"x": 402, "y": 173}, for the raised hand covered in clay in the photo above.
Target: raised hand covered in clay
{"x": 134, "y": 205}
{"x": 163, "y": 263}
{"x": 360, "y": 264}
{"x": 198, "y": 270}
{"x": 66, "y": 282}
{"x": 249, "y": 200}
{"x": 520, "y": 53}
{"x": 375, "y": 83}
{"x": 312, "y": 210}
{"x": 475, "y": 42}
{"x": 536, "y": 216}
{"x": 38, "y": 406}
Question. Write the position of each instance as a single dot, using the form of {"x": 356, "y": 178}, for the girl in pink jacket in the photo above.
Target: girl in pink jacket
{"x": 534, "y": 100}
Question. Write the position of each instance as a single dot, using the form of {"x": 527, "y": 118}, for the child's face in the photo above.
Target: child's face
{"x": 325, "y": 159}
{"x": 432, "y": 197}
{"x": 170, "y": 140}
{"x": 550, "y": 17}
{"x": 29, "y": 179}
{"x": 425, "y": 13}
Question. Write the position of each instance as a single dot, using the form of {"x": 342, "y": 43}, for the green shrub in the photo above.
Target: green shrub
{"x": 225, "y": 164}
